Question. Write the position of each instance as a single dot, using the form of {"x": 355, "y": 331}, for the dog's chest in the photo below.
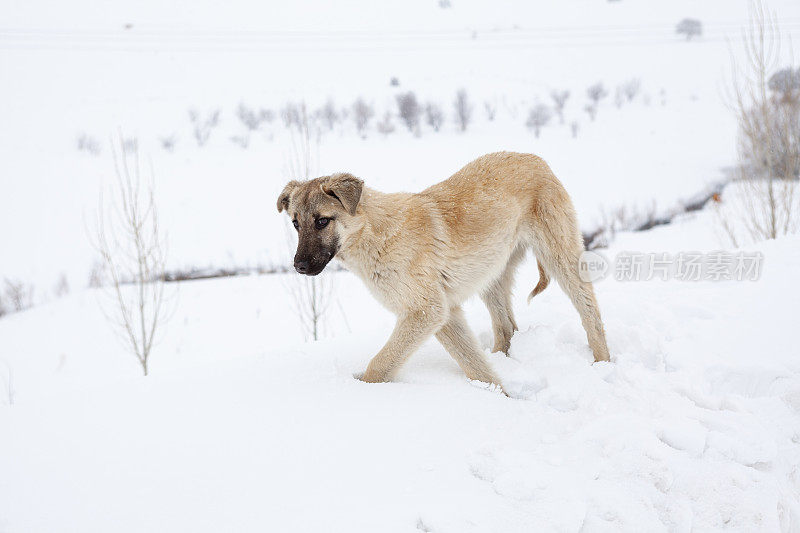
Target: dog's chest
{"x": 381, "y": 280}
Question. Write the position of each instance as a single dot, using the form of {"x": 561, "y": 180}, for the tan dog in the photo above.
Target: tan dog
{"x": 422, "y": 255}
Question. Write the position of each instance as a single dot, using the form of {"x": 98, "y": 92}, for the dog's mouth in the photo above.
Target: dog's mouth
{"x": 313, "y": 267}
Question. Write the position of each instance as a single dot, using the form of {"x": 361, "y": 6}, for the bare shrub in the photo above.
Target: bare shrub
{"x": 131, "y": 144}
{"x": 62, "y": 286}
{"x": 96, "y": 275}
{"x": 630, "y": 89}
{"x": 328, "y": 115}
{"x": 311, "y": 295}
{"x": 168, "y": 143}
{"x": 538, "y": 118}
{"x": 362, "y": 114}
{"x": 290, "y": 114}
{"x": 88, "y": 144}
{"x": 18, "y": 295}
{"x": 690, "y": 28}
{"x": 491, "y": 110}
{"x": 251, "y": 118}
{"x": 574, "y": 126}
{"x": 434, "y": 116}
{"x": 409, "y": 110}
{"x": 559, "y": 102}
{"x": 7, "y": 375}
{"x": 619, "y": 97}
{"x": 203, "y": 126}
{"x": 463, "y": 109}
{"x": 242, "y": 141}
{"x": 385, "y": 126}
{"x": 765, "y": 195}
{"x": 129, "y": 240}
{"x": 785, "y": 82}
{"x": 596, "y": 93}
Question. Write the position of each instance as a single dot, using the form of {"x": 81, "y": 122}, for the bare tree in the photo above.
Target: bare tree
{"x": 434, "y": 116}
{"x": 18, "y": 295}
{"x": 765, "y": 197}
{"x": 785, "y": 82}
{"x": 591, "y": 110}
{"x": 96, "y": 275}
{"x": 491, "y": 110}
{"x": 409, "y": 110}
{"x": 690, "y": 28}
{"x": 252, "y": 119}
{"x": 631, "y": 88}
{"x": 463, "y": 109}
{"x": 559, "y": 101}
{"x": 539, "y": 117}
{"x": 290, "y": 113}
{"x": 202, "y": 127}
{"x": 168, "y": 142}
{"x": 328, "y": 115}
{"x": 311, "y": 295}
{"x": 242, "y": 141}
{"x": 362, "y": 114}
{"x": 86, "y": 143}
{"x": 8, "y": 383}
{"x": 130, "y": 241}
{"x": 62, "y": 286}
{"x": 386, "y": 126}
{"x": 573, "y": 127}
{"x": 595, "y": 93}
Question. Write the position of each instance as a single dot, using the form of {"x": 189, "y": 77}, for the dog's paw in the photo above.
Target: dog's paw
{"x": 371, "y": 377}
{"x": 359, "y": 376}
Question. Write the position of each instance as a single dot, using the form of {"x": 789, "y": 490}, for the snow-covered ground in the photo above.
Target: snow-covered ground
{"x": 241, "y": 426}
{"x": 245, "y": 425}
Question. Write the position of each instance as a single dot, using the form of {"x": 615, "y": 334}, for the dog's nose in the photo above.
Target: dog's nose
{"x": 301, "y": 266}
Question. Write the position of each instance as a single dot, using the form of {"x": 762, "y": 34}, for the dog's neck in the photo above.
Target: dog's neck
{"x": 377, "y": 221}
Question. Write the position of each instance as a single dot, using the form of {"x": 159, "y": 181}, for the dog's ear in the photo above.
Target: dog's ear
{"x": 283, "y": 198}
{"x": 346, "y": 188}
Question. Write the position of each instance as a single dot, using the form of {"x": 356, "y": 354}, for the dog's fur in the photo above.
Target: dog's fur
{"x": 422, "y": 255}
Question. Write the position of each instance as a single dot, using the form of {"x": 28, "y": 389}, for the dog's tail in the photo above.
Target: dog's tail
{"x": 543, "y": 281}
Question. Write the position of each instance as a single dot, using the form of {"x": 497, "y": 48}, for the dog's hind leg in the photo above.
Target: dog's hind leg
{"x": 558, "y": 246}
{"x": 462, "y": 345}
{"x": 497, "y": 297}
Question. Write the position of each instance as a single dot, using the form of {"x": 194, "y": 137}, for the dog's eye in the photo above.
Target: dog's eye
{"x": 295, "y": 224}
{"x": 322, "y": 222}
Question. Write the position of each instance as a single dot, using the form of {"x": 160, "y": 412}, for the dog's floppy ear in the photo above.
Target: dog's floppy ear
{"x": 283, "y": 198}
{"x": 346, "y": 188}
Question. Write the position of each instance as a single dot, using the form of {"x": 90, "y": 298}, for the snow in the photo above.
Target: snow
{"x": 241, "y": 426}
{"x": 243, "y": 423}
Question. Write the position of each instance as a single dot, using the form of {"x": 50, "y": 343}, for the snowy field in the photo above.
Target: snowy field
{"x": 694, "y": 426}
{"x": 243, "y": 423}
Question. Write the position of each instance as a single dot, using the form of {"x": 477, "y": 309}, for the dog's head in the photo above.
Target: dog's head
{"x": 320, "y": 210}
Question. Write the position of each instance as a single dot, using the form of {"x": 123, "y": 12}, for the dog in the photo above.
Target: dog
{"x": 423, "y": 254}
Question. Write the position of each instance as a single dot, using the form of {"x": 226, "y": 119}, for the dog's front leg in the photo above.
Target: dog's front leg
{"x": 412, "y": 329}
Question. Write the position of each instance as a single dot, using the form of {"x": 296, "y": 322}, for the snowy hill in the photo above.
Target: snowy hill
{"x": 242, "y": 427}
